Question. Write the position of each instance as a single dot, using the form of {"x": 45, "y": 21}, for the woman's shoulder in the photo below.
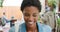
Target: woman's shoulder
{"x": 45, "y": 27}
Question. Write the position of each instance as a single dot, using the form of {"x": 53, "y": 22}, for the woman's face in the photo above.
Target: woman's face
{"x": 30, "y": 15}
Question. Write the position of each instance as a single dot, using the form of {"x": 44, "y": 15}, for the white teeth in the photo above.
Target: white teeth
{"x": 30, "y": 22}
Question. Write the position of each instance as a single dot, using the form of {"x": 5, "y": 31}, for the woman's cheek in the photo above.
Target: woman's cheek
{"x": 35, "y": 19}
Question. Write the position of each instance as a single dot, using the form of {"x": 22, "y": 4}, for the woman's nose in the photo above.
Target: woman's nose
{"x": 31, "y": 18}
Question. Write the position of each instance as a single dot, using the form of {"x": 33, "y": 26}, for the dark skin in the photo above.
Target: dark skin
{"x": 31, "y": 16}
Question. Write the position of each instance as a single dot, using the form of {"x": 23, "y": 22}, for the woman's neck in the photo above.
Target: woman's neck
{"x": 34, "y": 28}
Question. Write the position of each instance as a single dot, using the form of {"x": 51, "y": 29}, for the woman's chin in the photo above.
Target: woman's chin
{"x": 30, "y": 25}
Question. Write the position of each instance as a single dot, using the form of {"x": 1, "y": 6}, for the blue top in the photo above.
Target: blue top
{"x": 41, "y": 28}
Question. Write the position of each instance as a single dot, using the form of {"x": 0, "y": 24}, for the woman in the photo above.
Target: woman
{"x": 31, "y": 9}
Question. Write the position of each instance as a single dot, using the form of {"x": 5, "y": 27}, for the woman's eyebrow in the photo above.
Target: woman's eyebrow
{"x": 35, "y": 13}
{"x": 25, "y": 13}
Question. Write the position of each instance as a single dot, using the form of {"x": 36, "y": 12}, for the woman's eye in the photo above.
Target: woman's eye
{"x": 34, "y": 15}
{"x": 26, "y": 15}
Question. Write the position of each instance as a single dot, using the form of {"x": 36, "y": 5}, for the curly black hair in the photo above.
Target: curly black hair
{"x": 27, "y": 3}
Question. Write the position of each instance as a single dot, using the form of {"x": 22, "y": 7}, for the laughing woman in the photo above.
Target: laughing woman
{"x": 31, "y": 10}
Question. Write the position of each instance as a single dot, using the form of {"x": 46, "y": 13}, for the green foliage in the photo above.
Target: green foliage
{"x": 1, "y": 3}
{"x": 39, "y": 18}
{"x": 52, "y": 2}
{"x": 58, "y": 22}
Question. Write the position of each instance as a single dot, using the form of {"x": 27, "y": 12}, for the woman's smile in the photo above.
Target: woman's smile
{"x": 30, "y": 22}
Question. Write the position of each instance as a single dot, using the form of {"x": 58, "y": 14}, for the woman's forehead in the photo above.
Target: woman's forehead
{"x": 31, "y": 9}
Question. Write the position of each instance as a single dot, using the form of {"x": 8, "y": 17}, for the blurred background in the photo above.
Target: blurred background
{"x": 10, "y": 13}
